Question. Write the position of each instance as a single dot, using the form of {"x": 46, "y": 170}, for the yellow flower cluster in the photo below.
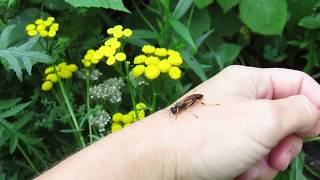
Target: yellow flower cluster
{"x": 110, "y": 50}
{"x": 120, "y": 120}
{"x": 43, "y": 28}
{"x": 53, "y": 73}
{"x": 155, "y": 61}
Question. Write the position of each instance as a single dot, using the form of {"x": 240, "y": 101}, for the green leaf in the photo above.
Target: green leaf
{"x": 264, "y": 17}
{"x": 202, "y": 3}
{"x": 228, "y": 4}
{"x": 181, "y": 8}
{"x": 226, "y": 53}
{"x": 7, "y": 103}
{"x": 70, "y": 130}
{"x": 202, "y": 38}
{"x": 182, "y": 31}
{"x": 13, "y": 144}
{"x": 107, "y": 4}
{"x": 6, "y": 36}
{"x": 14, "y": 110}
{"x": 22, "y": 57}
{"x": 310, "y": 22}
{"x": 193, "y": 64}
{"x": 144, "y": 34}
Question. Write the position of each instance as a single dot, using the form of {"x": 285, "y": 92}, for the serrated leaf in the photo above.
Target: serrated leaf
{"x": 107, "y": 4}
{"x": 14, "y": 110}
{"x": 6, "y": 36}
{"x": 202, "y": 3}
{"x": 13, "y": 144}
{"x": 7, "y": 103}
{"x": 310, "y": 22}
{"x": 228, "y": 4}
{"x": 264, "y": 17}
{"x": 182, "y": 31}
{"x": 181, "y": 8}
{"x": 22, "y": 57}
{"x": 226, "y": 53}
{"x": 193, "y": 64}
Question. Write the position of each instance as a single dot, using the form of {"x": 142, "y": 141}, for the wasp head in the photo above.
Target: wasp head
{"x": 173, "y": 110}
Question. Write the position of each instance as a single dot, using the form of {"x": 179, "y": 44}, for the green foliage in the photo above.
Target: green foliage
{"x": 310, "y": 22}
{"x": 265, "y": 17}
{"x": 22, "y": 56}
{"x": 115, "y": 4}
{"x": 227, "y": 4}
{"x": 203, "y": 3}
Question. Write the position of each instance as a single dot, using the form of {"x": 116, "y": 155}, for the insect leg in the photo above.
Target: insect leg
{"x": 188, "y": 109}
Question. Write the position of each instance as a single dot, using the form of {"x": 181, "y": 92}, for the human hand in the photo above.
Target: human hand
{"x": 259, "y": 126}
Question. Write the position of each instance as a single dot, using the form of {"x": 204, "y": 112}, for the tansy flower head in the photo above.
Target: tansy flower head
{"x": 117, "y": 117}
{"x": 111, "y": 61}
{"x": 120, "y": 56}
{"x": 161, "y": 52}
{"x": 152, "y": 60}
{"x": 44, "y": 28}
{"x": 115, "y": 127}
{"x": 175, "y": 60}
{"x": 127, "y": 32}
{"x": 148, "y": 49}
{"x": 164, "y": 66}
{"x": 174, "y": 73}
{"x": 141, "y": 106}
{"x": 127, "y": 118}
{"x": 140, "y": 59}
{"x": 151, "y": 72}
{"x": 138, "y": 70}
{"x": 47, "y": 86}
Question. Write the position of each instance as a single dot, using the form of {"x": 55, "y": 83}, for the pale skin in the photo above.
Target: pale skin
{"x": 254, "y": 133}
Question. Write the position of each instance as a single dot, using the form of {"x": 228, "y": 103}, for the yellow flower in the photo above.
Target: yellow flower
{"x": 173, "y": 53}
{"x": 138, "y": 70}
{"x": 174, "y": 73}
{"x": 54, "y": 26}
{"x": 160, "y": 52}
{"x": 127, "y": 32}
{"x": 72, "y": 67}
{"x": 120, "y": 56}
{"x": 86, "y": 63}
{"x": 117, "y": 117}
{"x": 50, "y": 18}
{"x": 47, "y": 85}
{"x": 175, "y": 60}
{"x": 118, "y": 27}
{"x": 126, "y": 125}
{"x": 30, "y": 27}
{"x": 97, "y": 55}
{"x": 164, "y": 66}
{"x": 151, "y": 72}
{"x": 40, "y": 28}
{"x": 64, "y": 73}
{"x": 115, "y": 127}
{"x": 139, "y": 59}
{"x": 148, "y": 49}
{"x": 115, "y": 45}
{"x": 117, "y": 33}
{"x": 52, "y": 77}
{"x": 111, "y": 61}
{"x": 32, "y": 33}
{"x": 110, "y": 31}
{"x": 43, "y": 33}
{"x": 110, "y": 41}
{"x": 39, "y": 21}
{"x": 47, "y": 23}
{"x": 49, "y": 70}
{"x": 141, "y": 114}
{"x": 141, "y": 106}
{"x": 152, "y": 60}
{"x": 108, "y": 51}
{"x": 127, "y": 118}
{"x": 52, "y": 33}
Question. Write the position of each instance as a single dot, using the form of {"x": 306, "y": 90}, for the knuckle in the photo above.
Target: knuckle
{"x": 305, "y": 107}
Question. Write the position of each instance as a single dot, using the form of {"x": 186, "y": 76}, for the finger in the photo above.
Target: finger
{"x": 280, "y": 118}
{"x": 284, "y": 152}
{"x": 270, "y": 83}
{"x": 260, "y": 171}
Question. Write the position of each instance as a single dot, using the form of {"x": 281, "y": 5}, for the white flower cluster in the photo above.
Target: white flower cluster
{"x": 94, "y": 76}
{"x": 109, "y": 90}
{"x": 100, "y": 120}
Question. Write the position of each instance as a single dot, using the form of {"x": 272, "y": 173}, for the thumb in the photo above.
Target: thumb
{"x": 282, "y": 117}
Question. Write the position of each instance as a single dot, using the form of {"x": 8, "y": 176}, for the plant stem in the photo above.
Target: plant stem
{"x": 33, "y": 167}
{"x": 88, "y": 74}
{"x": 73, "y": 117}
{"x": 190, "y": 16}
{"x": 154, "y": 99}
{"x": 150, "y": 8}
{"x": 131, "y": 90}
{"x": 143, "y": 17}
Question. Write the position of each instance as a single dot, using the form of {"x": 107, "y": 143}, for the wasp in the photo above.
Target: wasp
{"x": 186, "y": 103}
